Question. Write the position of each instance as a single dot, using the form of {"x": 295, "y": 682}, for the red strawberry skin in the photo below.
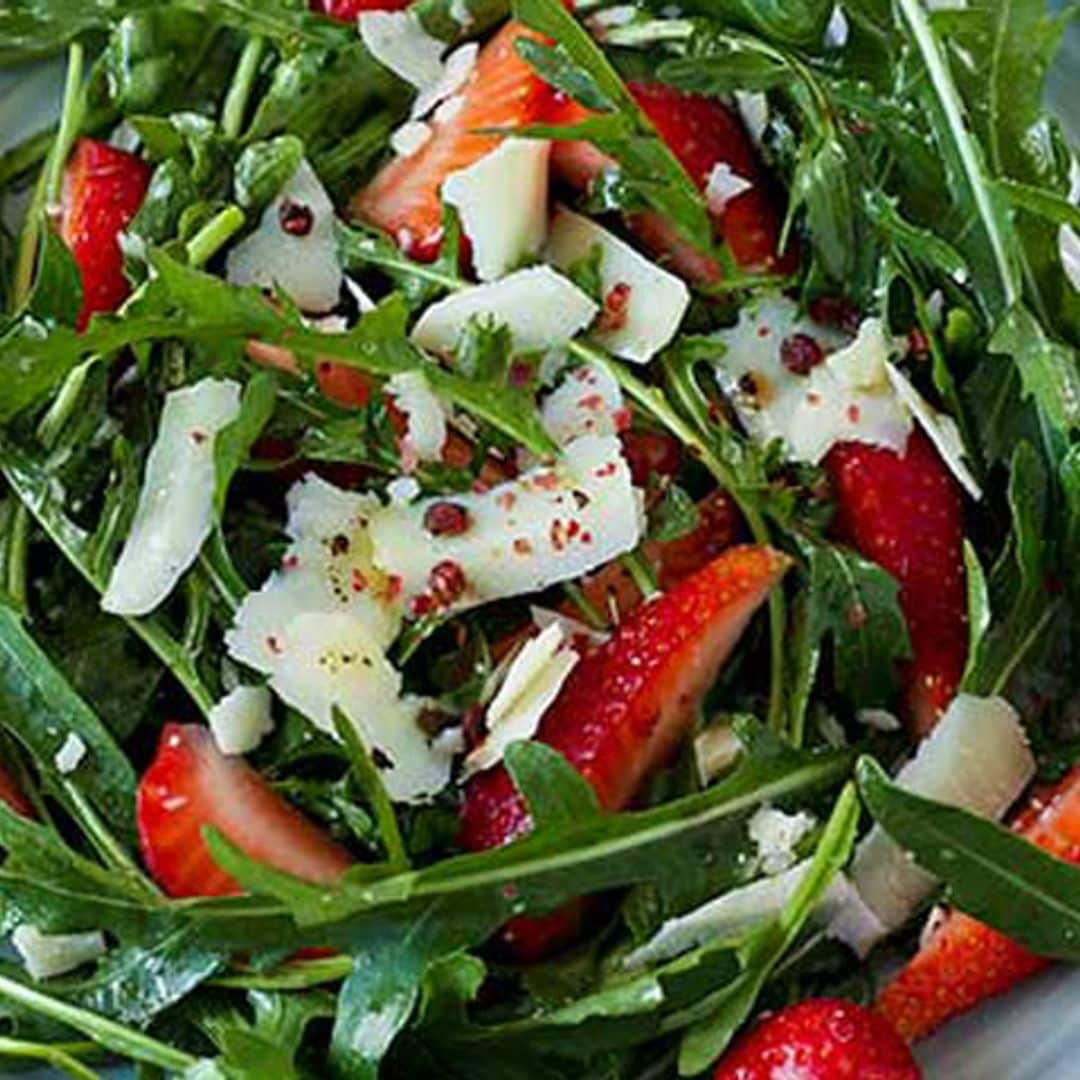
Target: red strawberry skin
{"x": 701, "y": 132}
{"x": 626, "y": 706}
{"x": 905, "y": 512}
{"x": 350, "y": 10}
{"x": 11, "y": 793}
{"x": 965, "y": 962}
{"x": 103, "y": 190}
{"x": 190, "y": 785}
{"x": 820, "y": 1039}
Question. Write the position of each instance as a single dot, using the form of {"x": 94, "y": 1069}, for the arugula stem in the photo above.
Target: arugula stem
{"x": 296, "y": 975}
{"x": 937, "y": 68}
{"x": 239, "y": 94}
{"x": 59, "y": 1056}
{"x": 18, "y": 543}
{"x": 1017, "y": 655}
{"x": 214, "y": 235}
{"x": 116, "y": 1037}
{"x": 112, "y": 853}
{"x": 70, "y": 119}
{"x": 217, "y": 563}
{"x": 637, "y": 566}
{"x": 586, "y": 608}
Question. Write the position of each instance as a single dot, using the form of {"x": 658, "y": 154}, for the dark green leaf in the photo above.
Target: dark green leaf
{"x": 675, "y": 515}
{"x": 557, "y": 794}
{"x": 991, "y": 873}
{"x": 233, "y": 444}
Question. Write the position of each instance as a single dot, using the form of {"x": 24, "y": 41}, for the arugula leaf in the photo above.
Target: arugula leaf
{"x": 58, "y": 294}
{"x": 856, "y": 603}
{"x": 556, "y": 793}
{"x": 991, "y": 873}
{"x": 648, "y": 168}
{"x": 675, "y": 515}
{"x": 1049, "y": 371}
{"x": 233, "y": 444}
{"x": 39, "y": 707}
{"x": 724, "y": 1012}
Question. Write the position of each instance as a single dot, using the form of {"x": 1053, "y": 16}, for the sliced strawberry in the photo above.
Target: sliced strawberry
{"x": 905, "y": 513}
{"x": 965, "y": 962}
{"x": 12, "y": 794}
{"x": 701, "y": 133}
{"x": 502, "y": 91}
{"x": 819, "y": 1039}
{"x": 350, "y": 10}
{"x": 627, "y": 705}
{"x": 190, "y": 785}
{"x": 103, "y": 190}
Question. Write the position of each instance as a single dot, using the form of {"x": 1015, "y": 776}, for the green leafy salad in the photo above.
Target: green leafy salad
{"x": 532, "y": 535}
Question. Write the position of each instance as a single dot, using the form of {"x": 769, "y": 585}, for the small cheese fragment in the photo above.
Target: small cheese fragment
{"x": 588, "y": 401}
{"x": 501, "y": 200}
{"x": 776, "y": 835}
{"x": 531, "y": 684}
{"x": 294, "y": 247}
{"x": 47, "y": 955}
{"x": 456, "y": 70}
{"x": 722, "y": 186}
{"x": 425, "y": 415}
{"x": 542, "y": 310}
{"x": 399, "y": 42}
{"x": 654, "y": 300}
{"x": 410, "y": 137}
{"x": 70, "y": 755}
{"x": 241, "y": 719}
{"x": 175, "y": 510}
{"x": 336, "y": 662}
{"x": 327, "y": 568}
{"x": 716, "y": 749}
{"x": 730, "y": 916}
{"x": 551, "y": 524}
{"x": 976, "y": 758}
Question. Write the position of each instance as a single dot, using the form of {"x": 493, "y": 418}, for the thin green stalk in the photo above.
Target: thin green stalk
{"x": 1018, "y": 654}
{"x": 217, "y": 564}
{"x": 639, "y": 568}
{"x": 297, "y": 975}
{"x": 51, "y": 1054}
{"x": 236, "y": 101}
{"x": 121, "y": 1040}
{"x": 214, "y": 235}
{"x": 110, "y": 850}
{"x": 586, "y": 608}
{"x": 70, "y": 120}
{"x": 18, "y": 542}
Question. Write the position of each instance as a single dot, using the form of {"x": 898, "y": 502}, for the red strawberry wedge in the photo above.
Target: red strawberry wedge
{"x": 350, "y": 10}
{"x": 905, "y": 513}
{"x": 702, "y": 133}
{"x": 628, "y": 704}
{"x": 191, "y": 785}
{"x": 965, "y": 962}
{"x": 820, "y": 1039}
{"x": 103, "y": 190}
{"x": 11, "y": 794}
{"x": 502, "y": 91}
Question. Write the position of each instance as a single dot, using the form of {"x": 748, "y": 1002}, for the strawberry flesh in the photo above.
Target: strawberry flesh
{"x": 350, "y": 10}
{"x": 820, "y": 1039}
{"x": 627, "y": 705}
{"x": 191, "y": 785}
{"x": 103, "y": 190}
{"x": 502, "y": 91}
{"x": 905, "y": 513}
{"x": 965, "y": 961}
{"x": 11, "y": 794}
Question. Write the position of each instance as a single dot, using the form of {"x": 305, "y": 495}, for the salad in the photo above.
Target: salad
{"x": 536, "y": 539}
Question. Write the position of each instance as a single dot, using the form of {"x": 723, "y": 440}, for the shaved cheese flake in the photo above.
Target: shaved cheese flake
{"x": 723, "y": 185}
{"x": 532, "y": 683}
{"x": 424, "y": 412}
{"x": 337, "y": 663}
{"x": 572, "y": 629}
{"x": 655, "y": 300}
{"x": 976, "y": 758}
{"x": 753, "y": 107}
{"x": 400, "y": 43}
{"x": 455, "y": 73}
{"x": 241, "y": 719}
{"x": 845, "y": 398}
{"x": 776, "y": 835}
{"x": 294, "y": 248}
{"x": 328, "y": 568}
{"x": 588, "y": 401}
{"x": 502, "y": 202}
{"x": 47, "y": 955}
{"x": 716, "y": 749}
{"x": 70, "y": 755}
{"x": 551, "y": 524}
{"x": 541, "y": 309}
{"x": 941, "y": 430}
{"x": 410, "y": 137}
{"x": 729, "y": 916}
{"x": 175, "y": 510}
